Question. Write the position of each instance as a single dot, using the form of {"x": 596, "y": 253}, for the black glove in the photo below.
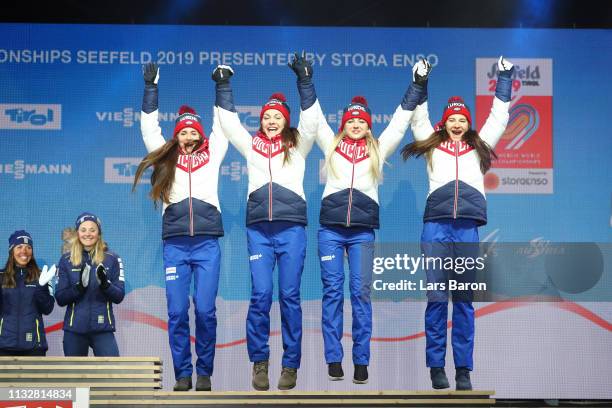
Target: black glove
{"x": 102, "y": 278}
{"x": 222, "y": 74}
{"x": 301, "y": 66}
{"x": 421, "y": 72}
{"x": 150, "y": 73}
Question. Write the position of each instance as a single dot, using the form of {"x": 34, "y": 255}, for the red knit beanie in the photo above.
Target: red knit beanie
{"x": 188, "y": 118}
{"x": 358, "y": 108}
{"x": 279, "y": 102}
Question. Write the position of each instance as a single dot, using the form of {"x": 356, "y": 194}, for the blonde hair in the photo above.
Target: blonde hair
{"x": 76, "y": 250}
{"x": 372, "y": 151}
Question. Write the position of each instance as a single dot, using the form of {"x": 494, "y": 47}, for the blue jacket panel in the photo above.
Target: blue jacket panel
{"x": 21, "y": 323}
{"x": 471, "y": 204}
{"x": 92, "y": 310}
{"x": 206, "y": 219}
{"x": 363, "y": 211}
{"x": 273, "y": 202}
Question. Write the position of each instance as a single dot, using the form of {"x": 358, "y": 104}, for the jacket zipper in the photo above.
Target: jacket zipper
{"x": 108, "y": 312}
{"x": 19, "y": 311}
{"x": 72, "y": 314}
{"x": 190, "y": 201}
{"x": 270, "y": 183}
{"x": 350, "y": 203}
{"x": 37, "y": 332}
{"x": 1, "y": 321}
{"x": 456, "y": 200}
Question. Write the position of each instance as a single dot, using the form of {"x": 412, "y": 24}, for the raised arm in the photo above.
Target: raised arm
{"x": 421, "y": 125}
{"x": 308, "y": 124}
{"x": 497, "y": 121}
{"x": 416, "y": 92}
{"x": 228, "y": 117}
{"x": 149, "y": 121}
{"x": 218, "y": 142}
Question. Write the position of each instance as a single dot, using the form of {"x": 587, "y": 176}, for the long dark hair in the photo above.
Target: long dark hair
{"x": 32, "y": 275}
{"x": 164, "y": 162}
{"x": 290, "y": 137}
{"x": 426, "y": 147}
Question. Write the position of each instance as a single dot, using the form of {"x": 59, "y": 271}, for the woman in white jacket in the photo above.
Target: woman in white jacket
{"x": 275, "y": 220}
{"x": 457, "y": 159}
{"x": 350, "y": 214}
{"x": 185, "y": 176}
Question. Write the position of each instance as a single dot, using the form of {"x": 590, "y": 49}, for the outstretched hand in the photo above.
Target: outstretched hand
{"x": 150, "y": 73}
{"x": 301, "y": 66}
{"x": 102, "y": 276}
{"x": 504, "y": 66}
{"x": 222, "y": 74}
{"x": 46, "y": 275}
{"x": 420, "y": 72}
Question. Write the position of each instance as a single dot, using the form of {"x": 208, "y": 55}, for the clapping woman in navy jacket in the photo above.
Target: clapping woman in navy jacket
{"x": 25, "y": 295}
{"x": 90, "y": 281}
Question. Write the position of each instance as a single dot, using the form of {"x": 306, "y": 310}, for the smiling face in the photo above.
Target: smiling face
{"x": 356, "y": 128}
{"x": 456, "y": 125}
{"x": 188, "y": 139}
{"x": 272, "y": 122}
{"x": 22, "y": 255}
{"x": 89, "y": 234}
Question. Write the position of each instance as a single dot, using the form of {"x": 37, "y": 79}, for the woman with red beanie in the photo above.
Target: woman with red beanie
{"x": 276, "y": 220}
{"x": 185, "y": 176}
{"x": 457, "y": 158}
{"x": 350, "y": 215}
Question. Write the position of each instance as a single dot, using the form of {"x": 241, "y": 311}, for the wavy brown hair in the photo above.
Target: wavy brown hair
{"x": 8, "y": 281}
{"x": 163, "y": 161}
{"x": 427, "y": 146}
{"x": 290, "y": 137}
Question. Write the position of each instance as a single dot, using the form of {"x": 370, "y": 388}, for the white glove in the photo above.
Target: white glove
{"x": 85, "y": 275}
{"x": 503, "y": 64}
{"x": 46, "y": 275}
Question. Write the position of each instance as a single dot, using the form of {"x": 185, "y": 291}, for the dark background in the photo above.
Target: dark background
{"x": 373, "y": 13}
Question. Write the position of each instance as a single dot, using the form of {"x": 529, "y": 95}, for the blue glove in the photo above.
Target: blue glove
{"x": 150, "y": 73}
{"x": 303, "y": 69}
{"x": 503, "y": 90}
{"x": 224, "y": 97}
{"x": 416, "y": 93}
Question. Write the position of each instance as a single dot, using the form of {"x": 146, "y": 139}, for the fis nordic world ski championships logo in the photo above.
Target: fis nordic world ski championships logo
{"x": 523, "y": 123}
{"x": 28, "y": 116}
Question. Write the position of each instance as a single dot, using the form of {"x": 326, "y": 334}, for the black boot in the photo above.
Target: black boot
{"x": 462, "y": 379}
{"x": 361, "y": 374}
{"x": 183, "y": 384}
{"x": 335, "y": 372}
{"x": 439, "y": 380}
{"x": 203, "y": 383}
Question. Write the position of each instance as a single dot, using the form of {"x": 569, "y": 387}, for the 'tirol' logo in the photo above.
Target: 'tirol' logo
{"x": 29, "y": 116}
